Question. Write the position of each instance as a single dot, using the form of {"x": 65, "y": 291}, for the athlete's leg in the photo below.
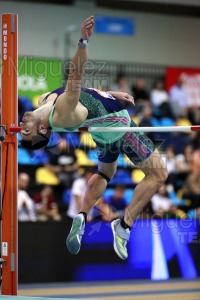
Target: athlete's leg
{"x": 95, "y": 187}
{"x": 155, "y": 174}
{"x": 141, "y": 151}
{"x": 97, "y": 184}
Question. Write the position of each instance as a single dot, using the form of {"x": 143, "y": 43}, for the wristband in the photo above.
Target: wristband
{"x": 83, "y": 43}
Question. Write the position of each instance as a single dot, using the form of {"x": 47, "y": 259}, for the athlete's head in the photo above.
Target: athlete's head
{"x": 34, "y": 133}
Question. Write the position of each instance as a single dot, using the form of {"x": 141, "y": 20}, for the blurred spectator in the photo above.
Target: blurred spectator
{"x": 121, "y": 84}
{"x": 163, "y": 206}
{"x": 196, "y": 161}
{"x": 158, "y": 95}
{"x": 77, "y": 193}
{"x": 146, "y": 115}
{"x": 198, "y": 213}
{"x": 139, "y": 91}
{"x": 194, "y": 139}
{"x": 64, "y": 164}
{"x": 184, "y": 162}
{"x": 170, "y": 160}
{"x": 25, "y": 205}
{"x": 178, "y": 98}
{"x": 194, "y": 115}
{"x": 191, "y": 187}
{"x": 161, "y": 203}
{"x": 175, "y": 212}
{"x": 111, "y": 207}
{"x": 116, "y": 204}
{"x": 45, "y": 204}
{"x": 160, "y": 100}
{"x": 178, "y": 139}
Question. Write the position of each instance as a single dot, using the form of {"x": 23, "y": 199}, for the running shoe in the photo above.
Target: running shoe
{"x": 120, "y": 238}
{"x": 74, "y": 238}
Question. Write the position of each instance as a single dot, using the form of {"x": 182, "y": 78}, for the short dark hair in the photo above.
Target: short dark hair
{"x": 38, "y": 141}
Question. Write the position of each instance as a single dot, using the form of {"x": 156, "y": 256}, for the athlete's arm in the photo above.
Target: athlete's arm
{"x": 122, "y": 96}
{"x": 70, "y": 98}
{"x": 118, "y": 95}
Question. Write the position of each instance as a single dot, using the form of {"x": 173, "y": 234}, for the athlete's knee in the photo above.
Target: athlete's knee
{"x": 162, "y": 171}
{"x": 156, "y": 169}
{"x": 160, "y": 174}
{"x": 108, "y": 170}
{"x": 163, "y": 174}
{"x": 106, "y": 175}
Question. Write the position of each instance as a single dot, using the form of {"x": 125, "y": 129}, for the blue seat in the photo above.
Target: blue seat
{"x": 175, "y": 199}
{"x": 19, "y": 138}
{"x": 66, "y": 195}
{"x": 156, "y": 112}
{"x": 166, "y": 121}
{"x": 122, "y": 177}
{"x": 192, "y": 214}
{"x": 92, "y": 155}
{"x": 120, "y": 161}
{"x": 36, "y": 157}
{"x": 128, "y": 195}
{"x": 155, "y": 121}
{"x": 72, "y": 139}
{"x": 26, "y": 103}
{"x": 24, "y": 157}
{"x": 108, "y": 192}
{"x": 53, "y": 144}
{"x": 39, "y": 157}
{"x": 54, "y": 139}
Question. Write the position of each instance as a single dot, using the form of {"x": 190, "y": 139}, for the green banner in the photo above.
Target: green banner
{"x": 37, "y": 76}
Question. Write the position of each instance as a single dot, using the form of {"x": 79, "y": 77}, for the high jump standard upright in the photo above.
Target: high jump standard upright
{"x": 9, "y": 165}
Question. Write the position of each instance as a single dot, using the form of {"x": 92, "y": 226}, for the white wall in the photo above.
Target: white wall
{"x": 159, "y": 39}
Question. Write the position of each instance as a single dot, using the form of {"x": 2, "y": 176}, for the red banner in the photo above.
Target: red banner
{"x": 191, "y": 79}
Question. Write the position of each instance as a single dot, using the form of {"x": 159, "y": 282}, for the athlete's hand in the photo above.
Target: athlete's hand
{"x": 87, "y": 28}
{"x": 122, "y": 96}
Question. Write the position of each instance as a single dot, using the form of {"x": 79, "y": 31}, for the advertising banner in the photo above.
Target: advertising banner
{"x": 191, "y": 78}
{"x": 38, "y": 75}
{"x": 114, "y": 25}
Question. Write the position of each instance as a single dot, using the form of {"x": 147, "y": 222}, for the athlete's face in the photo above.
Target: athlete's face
{"x": 28, "y": 126}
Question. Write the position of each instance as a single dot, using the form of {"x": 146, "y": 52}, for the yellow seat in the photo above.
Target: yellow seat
{"x": 45, "y": 176}
{"x": 136, "y": 120}
{"x": 87, "y": 140}
{"x": 127, "y": 161}
{"x": 137, "y": 175}
{"x": 83, "y": 159}
{"x": 183, "y": 122}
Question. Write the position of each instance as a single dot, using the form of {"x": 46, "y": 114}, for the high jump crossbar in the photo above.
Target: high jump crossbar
{"x": 141, "y": 129}
{"x": 16, "y": 129}
{"x": 9, "y": 165}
